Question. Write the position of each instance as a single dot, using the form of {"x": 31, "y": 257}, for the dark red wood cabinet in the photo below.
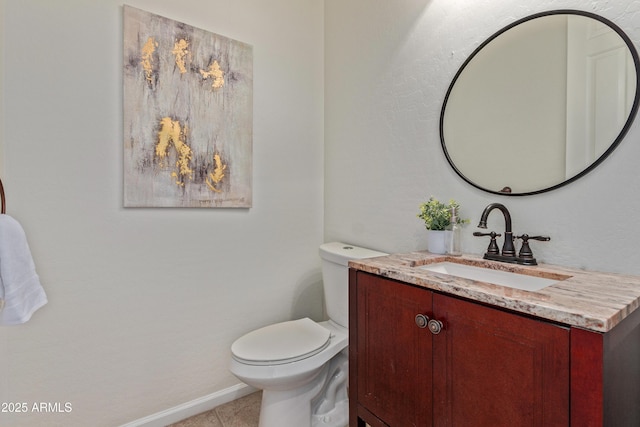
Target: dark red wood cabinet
{"x": 422, "y": 358}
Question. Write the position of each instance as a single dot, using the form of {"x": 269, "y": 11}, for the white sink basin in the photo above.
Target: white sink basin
{"x": 487, "y": 275}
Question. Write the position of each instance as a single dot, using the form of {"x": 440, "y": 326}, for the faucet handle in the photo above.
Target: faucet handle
{"x": 525, "y": 250}
{"x": 493, "y": 246}
{"x": 541, "y": 238}
{"x": 493, "y": 234}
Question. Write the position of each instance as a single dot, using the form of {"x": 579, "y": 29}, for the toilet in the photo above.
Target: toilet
{"x": 302, "y": 365}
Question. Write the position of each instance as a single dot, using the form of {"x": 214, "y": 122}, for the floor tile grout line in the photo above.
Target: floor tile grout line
{"x": 215, "y": 411}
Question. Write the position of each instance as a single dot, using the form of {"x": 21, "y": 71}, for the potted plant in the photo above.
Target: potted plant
{"x": 437, "y": 218}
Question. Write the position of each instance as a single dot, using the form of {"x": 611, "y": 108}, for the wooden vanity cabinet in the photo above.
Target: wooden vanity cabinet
{"x": 486, "y": 367}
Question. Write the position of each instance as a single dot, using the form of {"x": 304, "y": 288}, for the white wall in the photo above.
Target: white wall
{"x": 388, "y": 67}
{"x": 1, "y": 89}
{"x": 145, "y": 303}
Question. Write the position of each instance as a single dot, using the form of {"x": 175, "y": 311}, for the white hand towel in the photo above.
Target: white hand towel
{"x": 21, "y": 293}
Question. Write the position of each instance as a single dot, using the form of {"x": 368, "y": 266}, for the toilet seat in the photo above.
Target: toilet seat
{"x": 281, "y": 343}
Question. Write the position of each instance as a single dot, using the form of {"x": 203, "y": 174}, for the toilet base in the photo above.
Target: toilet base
{"x": 321, "y": 403}
{"x": 331, "y": 406}
{"x": 337, "y": 417}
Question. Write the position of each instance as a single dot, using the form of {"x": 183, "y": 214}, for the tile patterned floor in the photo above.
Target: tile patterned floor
{"x": 243, "y": 412}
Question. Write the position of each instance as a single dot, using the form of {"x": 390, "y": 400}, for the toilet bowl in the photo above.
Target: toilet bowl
{"x": 302, "y": 365}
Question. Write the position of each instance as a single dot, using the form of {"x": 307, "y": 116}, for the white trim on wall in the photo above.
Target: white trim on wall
{"x": 193, "y": 407}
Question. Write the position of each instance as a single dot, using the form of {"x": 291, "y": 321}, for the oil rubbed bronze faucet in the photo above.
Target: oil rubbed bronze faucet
{"x": 525, "y": 256}
{"x": 508, "y": 250}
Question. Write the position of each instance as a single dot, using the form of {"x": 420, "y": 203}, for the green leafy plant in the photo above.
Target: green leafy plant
{"x": 436, "y": 215}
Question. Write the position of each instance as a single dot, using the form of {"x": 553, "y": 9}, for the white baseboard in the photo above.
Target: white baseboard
{"x": 194, "y": 407}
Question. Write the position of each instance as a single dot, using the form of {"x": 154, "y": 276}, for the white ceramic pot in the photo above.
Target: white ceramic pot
{"x": 437, "y": 241}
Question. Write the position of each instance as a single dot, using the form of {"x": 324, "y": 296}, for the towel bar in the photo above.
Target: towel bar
{"x": 4, "y": 205}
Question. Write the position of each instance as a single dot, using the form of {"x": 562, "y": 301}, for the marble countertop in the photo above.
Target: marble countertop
{"x": 585, "y": 299}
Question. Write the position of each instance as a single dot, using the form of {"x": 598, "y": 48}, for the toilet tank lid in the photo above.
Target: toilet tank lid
{"x": 341, "y": 253}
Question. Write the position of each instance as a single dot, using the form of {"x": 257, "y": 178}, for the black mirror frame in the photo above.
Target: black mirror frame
{"x": 614, "y": 144}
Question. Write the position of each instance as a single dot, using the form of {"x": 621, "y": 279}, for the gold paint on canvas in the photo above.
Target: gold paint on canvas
{"x": 147, "y": 58}
{"x": 216, "y": 176}
{"x": 181, "y": 52}
{"x": 171, "y": 132}
{"x": 216, "y": 73}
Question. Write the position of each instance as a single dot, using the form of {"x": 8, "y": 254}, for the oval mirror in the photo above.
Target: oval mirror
{"x": 540, "y": 103}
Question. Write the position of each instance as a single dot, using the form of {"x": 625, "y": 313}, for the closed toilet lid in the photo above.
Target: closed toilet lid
{"x": 281, "y": 343}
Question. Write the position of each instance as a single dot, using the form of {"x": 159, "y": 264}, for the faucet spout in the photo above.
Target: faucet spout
{"x": 508, "y": 249}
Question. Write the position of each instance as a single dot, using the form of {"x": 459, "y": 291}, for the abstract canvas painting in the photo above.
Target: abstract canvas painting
{"x": 188, "y": 115}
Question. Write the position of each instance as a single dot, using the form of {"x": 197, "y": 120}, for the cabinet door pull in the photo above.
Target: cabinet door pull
{"x": 435, "y": 326}
{"x": 422, "y": 321}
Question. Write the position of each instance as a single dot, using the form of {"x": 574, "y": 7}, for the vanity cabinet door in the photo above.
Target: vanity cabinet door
{"x": 483, "y": 367}
{"x": 494, "y": 368}
{"x": 394, "y": 355}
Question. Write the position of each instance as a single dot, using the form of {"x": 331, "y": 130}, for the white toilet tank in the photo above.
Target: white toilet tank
{"x": 335, "y": 276}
